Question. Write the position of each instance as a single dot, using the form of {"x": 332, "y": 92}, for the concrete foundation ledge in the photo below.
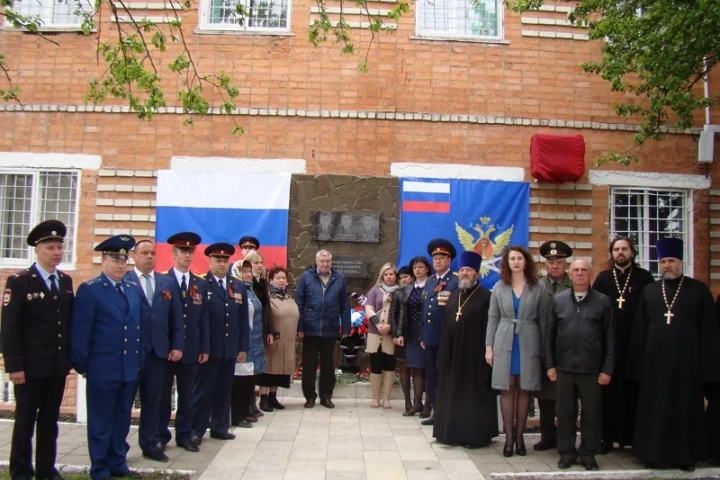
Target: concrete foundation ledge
{"x": 699, "y": 474}
{"x": 86, "y": 469}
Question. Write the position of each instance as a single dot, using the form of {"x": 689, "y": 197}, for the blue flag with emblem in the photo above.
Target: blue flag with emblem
{"x": 478, "y": 215}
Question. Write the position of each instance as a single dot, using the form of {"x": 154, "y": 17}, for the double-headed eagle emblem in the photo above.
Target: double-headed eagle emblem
{"x": 489, "y": 249}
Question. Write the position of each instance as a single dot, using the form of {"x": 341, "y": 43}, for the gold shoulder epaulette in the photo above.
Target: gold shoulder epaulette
{"x": 165, "y": 272}
{"x": 202, "y": 275}
{"x": 455, "y": 273}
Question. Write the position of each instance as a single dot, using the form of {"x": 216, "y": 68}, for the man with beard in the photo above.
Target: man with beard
{"x": 675, "y": 348}
{"x": 623, "y": 282}
{"x": 466, "y": 411}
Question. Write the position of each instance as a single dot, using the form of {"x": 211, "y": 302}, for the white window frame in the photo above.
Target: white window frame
{"x": 46, "y": 24}
{"x": 643, "y": 240}
{"x": 35, "y": 215}
{"x": 204, "y": 24}
{"x": 437, "y": 35}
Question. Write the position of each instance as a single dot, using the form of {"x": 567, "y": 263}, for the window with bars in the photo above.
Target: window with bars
{"x": 645, "y": 215}
{"x": 30, "y": 197}
{"x": 480, "y": 19}
{"x": 248, "y": 15}
{"x": 54, "y": 13}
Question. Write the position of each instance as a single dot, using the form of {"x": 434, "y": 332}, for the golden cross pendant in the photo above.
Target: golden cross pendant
{"x": 669, "y": 316}
{"x": 620, "y": 302}
{"x": 457, "y": 315}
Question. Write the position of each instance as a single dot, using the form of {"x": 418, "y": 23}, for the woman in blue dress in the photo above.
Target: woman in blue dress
{"x": 517, "y": 319}
{"x": 254, "y": 365}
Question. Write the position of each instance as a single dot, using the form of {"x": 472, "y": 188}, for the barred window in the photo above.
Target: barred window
{"x": 54, "y": 13}
{"x": 645, "y": 215}
{"x": 30, "y": 197}
{"x": 249, "y": 15}
{"x": 481, "y": 19}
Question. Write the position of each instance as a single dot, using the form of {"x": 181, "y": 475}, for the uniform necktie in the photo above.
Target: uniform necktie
{"x": 118, "y": 285}
{"x": 554, "y": 287}
{"x": 183, "y": 284}
{"x": 222, "y": 287}
{"x": 53, "y": 286}
{"x": 148, "y": 288}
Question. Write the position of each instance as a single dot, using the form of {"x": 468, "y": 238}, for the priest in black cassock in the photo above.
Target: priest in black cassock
{"x": 623, "y": 282}
{"x": 466, "y": 412}
{"x": 712, "y": 413}
{"x": 675, "y": 345}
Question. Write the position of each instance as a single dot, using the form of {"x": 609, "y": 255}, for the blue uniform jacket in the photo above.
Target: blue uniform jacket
{"x": 229, "y": 325}
{"x": 105, "y": 335}
{"x": 433, "y": 314}
{"x": 162, "y": 323}
{"x": 195, "y": 317}
{"x": 324, "y": 312}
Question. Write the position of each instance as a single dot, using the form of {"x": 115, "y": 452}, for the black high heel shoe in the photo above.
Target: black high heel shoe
{"x": 520, "y": 448}
{"x": 508, "y": 450}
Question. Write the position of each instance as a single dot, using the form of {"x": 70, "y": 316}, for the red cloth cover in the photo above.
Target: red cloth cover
{"x": 557, "y": 158}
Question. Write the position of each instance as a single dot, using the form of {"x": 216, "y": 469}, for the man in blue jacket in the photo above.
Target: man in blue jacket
{"x": 437, "y": 291}
{"x": 322, "y": 299}
{"x": 106, "y": 347}
{"x": 229, "y": 337}
{"x": 194, "y": 300}
{"x": 163, "y": 341}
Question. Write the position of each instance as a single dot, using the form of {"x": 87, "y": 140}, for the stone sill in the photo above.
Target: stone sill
{"x": 249, "y": 33}
{"x": 46, "y": 29}
{"x": 488, "y": 41}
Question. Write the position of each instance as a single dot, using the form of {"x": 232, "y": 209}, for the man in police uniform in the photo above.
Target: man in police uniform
{"x": 437, "y": 291}
{"x": 105, "y": 346}
{"x": 229, "y": 337}
{"x": 35, "y": 317}
{"x": 247, "y": 244}
{"x": 163, "y": 340}
{"x": 557, "y": 280}
{"x": 193, "y": 297}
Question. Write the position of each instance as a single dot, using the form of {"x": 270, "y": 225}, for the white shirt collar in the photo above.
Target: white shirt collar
{"x": 140, "y": 274}
{"x": 218, "y": 279}
{"x": 420, "y": 285}
{"x": 179, "y": 275}
{"x": 44, "y": 273}
{"x": 440, "y": 276}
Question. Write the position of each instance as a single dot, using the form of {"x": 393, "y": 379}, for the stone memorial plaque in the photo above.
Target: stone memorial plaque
{"x": 351, "y": 266}
{"x": 346, "y": 227}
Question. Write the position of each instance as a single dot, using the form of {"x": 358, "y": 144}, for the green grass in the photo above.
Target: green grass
{"x": 5, "y": 475}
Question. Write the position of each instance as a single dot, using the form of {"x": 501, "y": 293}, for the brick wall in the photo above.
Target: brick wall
{"x": 422, "y": 101}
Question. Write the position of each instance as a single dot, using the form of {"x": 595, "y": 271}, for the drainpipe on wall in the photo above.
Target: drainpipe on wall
{"x": 706, "y": 144}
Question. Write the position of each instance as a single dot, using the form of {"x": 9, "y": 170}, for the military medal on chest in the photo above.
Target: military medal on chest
{"x": 621, "y": 298}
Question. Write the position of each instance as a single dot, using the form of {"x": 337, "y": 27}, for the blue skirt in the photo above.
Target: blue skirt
{"x": 515, "y": 358}
{"x": 414, "y": 356}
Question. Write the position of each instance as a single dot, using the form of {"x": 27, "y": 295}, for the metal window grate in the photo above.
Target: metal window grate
{"x": 459, "y": 18}
{"x": 257, "y": 14}
{"x": 29, "y": 198}
{"x": 646, "y": 215}
{"x": 56, "y": 13}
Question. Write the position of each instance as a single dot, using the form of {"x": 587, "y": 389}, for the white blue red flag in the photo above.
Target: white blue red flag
{"x": 222, "y": 207}
{"x": 484, "y": 216}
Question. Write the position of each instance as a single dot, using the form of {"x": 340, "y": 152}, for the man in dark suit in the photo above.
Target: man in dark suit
{"x": 437, "y": 292}
{"x": 193, "y": 297}
{"x": 35, "y": 318}
{"x": 324, "y": 229}
{"x": 105, "y": 346}
{"x": 229, "y": 336}
{"x": 163, "y": 340}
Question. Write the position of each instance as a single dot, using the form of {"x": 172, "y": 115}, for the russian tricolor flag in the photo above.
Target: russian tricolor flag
{"x": 428, "y": 197}
{"x": 222, "y": 207}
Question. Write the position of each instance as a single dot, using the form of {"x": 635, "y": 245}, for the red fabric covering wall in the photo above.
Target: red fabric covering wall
{"x": 557, "y": 158}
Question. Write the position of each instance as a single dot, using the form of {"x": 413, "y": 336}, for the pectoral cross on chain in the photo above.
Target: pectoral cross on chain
{"x": 457, "y": 315}
{"x": 620, "y": 302}
{"x": 669, "y": 315}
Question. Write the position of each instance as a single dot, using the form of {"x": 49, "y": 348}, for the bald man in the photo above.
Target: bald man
{"x": 581, "y": 359}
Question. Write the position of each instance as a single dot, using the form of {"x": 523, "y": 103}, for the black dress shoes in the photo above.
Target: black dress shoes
{"x": 508, "y": 451}
{"x": 222, "y": 436}
{"x": 156, "y": 455}
{"x": 244, "y": 424}
{"x": 589, "y": 463}
{"x": 196, "y": 440}
{"x": 250, "y": 419}
{"x": 565, "y": 463}
{"x": 520, "y": 449}
{"x": 544, "y": 445}
{"x": 161, "y": 446}
{"x": 189, "y": 446}
{"x": 429, "y": 421}
{"x": 309, "y": 403}
{"x": 327, "y": 403}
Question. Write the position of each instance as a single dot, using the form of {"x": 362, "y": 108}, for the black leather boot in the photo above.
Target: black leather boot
{"x": 272, "y": 397}
{"x": 265, "y": 405}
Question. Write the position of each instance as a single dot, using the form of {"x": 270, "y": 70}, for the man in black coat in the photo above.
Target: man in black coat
{"x": 35, "y": 318}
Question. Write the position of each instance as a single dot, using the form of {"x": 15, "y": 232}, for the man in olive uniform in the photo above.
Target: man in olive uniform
{"x": 35, "y": 318}
{"x": 557, "y": 280}
{"x": 437, "y": 291}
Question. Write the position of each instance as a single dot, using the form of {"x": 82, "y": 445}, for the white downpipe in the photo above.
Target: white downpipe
{"x": 707, "y": 90}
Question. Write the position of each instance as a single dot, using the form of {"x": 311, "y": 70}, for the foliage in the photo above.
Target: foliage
{"x": 656, "y": 52}
{"x": 132, "y": 56}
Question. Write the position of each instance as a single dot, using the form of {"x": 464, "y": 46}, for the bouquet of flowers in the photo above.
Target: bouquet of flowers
{"x": 352, "y": 344}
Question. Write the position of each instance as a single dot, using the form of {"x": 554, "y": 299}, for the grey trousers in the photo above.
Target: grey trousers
{"x": 570, "y": 388}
